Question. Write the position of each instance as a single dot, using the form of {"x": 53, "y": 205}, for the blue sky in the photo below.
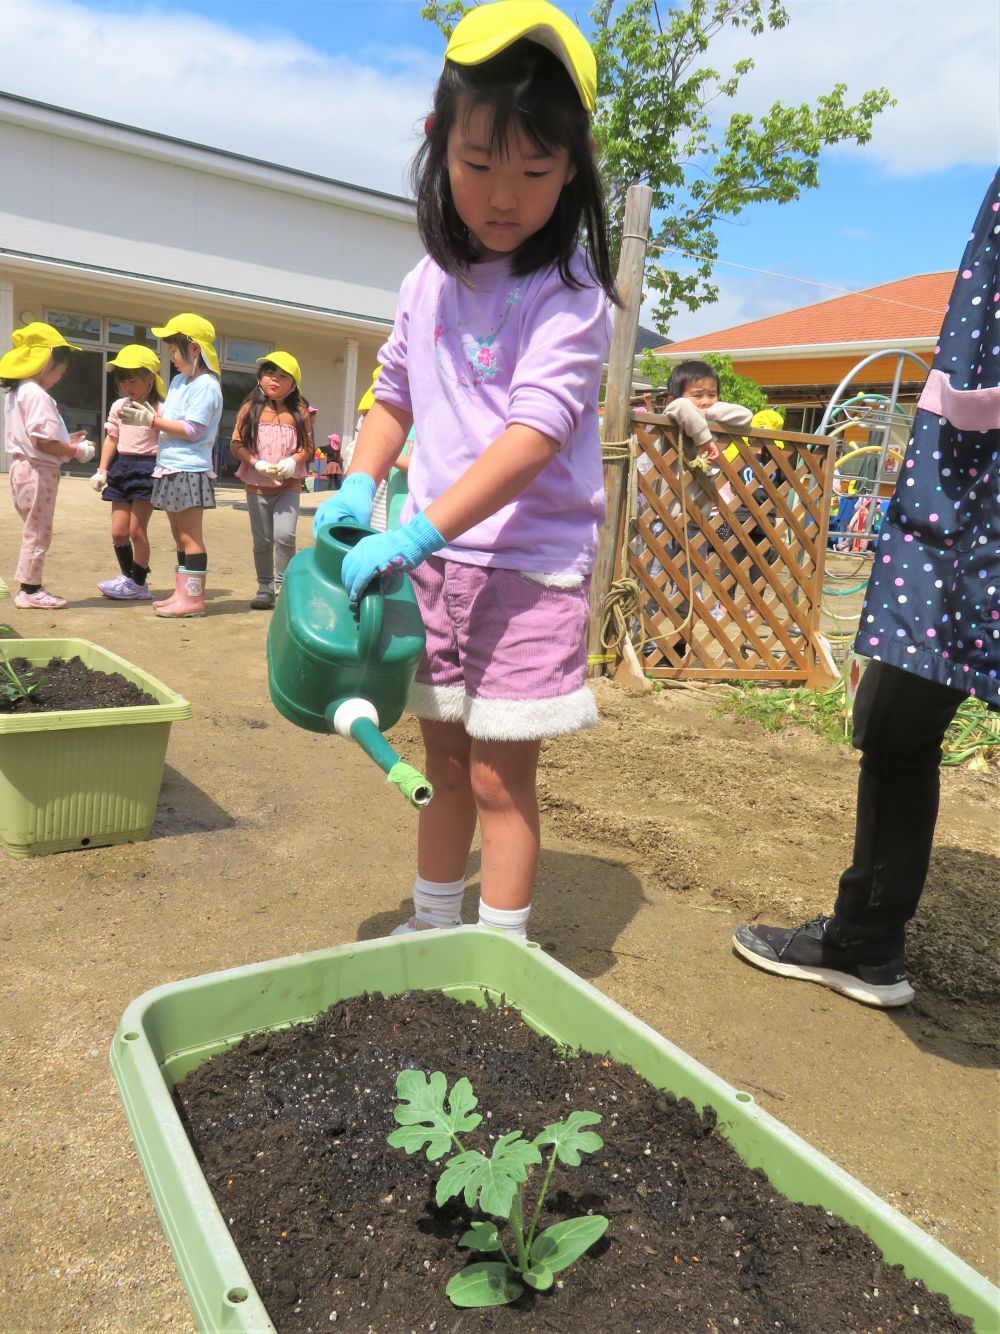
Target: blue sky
{"x": 340, "y": 87}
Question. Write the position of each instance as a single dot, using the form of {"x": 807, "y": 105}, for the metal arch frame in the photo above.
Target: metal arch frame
{"x": 899, "y": 353}
{"x": 886, "y": 427}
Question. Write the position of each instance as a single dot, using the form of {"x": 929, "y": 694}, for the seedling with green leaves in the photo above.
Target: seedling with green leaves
{"x": 429, "y": 1116}
{"x": 12, "y": 688}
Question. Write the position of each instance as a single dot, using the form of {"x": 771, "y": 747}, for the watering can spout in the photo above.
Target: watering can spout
{"x": 356, "y": 719}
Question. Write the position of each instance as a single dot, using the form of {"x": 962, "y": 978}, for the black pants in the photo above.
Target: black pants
{"x": 899, "y": 723}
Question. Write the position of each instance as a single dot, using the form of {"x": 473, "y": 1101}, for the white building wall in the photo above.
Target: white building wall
{"x": 102, "y": 220}
{"x": 108, "y": 208}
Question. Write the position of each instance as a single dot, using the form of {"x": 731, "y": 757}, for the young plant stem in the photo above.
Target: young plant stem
{"x": 517, "y": 1223}
{"x": 541, "y": 1199}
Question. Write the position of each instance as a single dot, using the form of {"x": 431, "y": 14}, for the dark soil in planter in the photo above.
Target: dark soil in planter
{"x": 68, "y": 684}
{"x": 335, "y": 1227}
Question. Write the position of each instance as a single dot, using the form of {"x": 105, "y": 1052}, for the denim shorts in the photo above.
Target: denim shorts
{"x": 130, "y": 478}
{"x": 506, "y": 656}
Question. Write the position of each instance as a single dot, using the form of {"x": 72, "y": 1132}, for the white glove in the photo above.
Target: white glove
{"x": 136, "y": 414}
{"x": 262, "y": 465}
{"x": 85, "y": 451}
{"x": 285, "y": 468}
{"x": 99, "y": 480}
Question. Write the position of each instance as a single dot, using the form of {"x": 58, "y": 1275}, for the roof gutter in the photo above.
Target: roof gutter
{"x": 807, "y": 351}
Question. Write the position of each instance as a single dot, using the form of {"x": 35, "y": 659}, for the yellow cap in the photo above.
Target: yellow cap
{"x": 198, "y": 329}
{"x": 489, "y": 29}
{"x": 286, "y": 362}
{"x": 32, "y": 349}
{"x": 368, "y": 397}
{"x": 135, "y": 357}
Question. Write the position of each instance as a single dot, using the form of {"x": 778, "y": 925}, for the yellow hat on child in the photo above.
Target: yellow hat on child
{"x": 32, "y": 348}
{"x": 284, "y": 362}
{"x": 489, "y": 29}
{"x": 368, "y": 397}
{"x": 135, "y": 357}
{"x": 199, "y": 330}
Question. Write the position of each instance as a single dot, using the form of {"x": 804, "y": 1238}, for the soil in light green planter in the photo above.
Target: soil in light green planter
{"x": 338, "y": 1229}
{"x": 65, "y": 684}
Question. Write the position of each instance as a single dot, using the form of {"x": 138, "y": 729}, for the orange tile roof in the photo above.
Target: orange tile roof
{"x": 907, "y": 308}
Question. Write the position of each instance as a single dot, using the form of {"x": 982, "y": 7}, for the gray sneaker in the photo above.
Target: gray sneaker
{"x": 806, "y": 952}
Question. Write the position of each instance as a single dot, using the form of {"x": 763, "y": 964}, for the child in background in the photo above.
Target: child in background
{"x": 272, "y": 441}
{"x": 188, "y": 425}
{"x": 496, "y": 357}
{"x": 379, "y": 517}
{"x": 125, "y": 475}
{"x": 38, "y": 443}
{"x": 693, "y": 401}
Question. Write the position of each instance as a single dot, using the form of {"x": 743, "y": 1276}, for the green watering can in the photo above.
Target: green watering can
{"x": 332, "y": 667}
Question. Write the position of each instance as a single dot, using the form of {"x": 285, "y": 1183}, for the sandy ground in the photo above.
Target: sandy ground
{"x": 663, "y": 829}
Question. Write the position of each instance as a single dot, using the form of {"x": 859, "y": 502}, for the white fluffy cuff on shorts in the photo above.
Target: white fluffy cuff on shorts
{"x": 505, "y": 719}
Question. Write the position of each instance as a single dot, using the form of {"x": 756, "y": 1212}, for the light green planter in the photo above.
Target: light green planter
{"x": 171, "y": 1030}
{"x": 4, "y": 590}
{"x": 83, "y": 778}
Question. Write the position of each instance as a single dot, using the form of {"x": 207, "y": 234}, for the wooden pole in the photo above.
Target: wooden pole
{"x": 631, "y": 264}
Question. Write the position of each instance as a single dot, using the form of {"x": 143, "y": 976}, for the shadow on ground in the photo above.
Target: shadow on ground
{"x": 184, "y": 808}
{"x": 582, "y": 905}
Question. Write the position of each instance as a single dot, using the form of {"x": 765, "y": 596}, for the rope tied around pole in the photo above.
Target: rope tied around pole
{"x": 624, "y": 613}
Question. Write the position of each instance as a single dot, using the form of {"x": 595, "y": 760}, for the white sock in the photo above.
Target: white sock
{"x": 514, "y": 920}
{"x": 438, "y": 903}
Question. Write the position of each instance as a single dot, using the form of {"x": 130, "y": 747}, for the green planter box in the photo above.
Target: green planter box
{"x": 83, "y": 778}
{"x": 171, "y": 1030}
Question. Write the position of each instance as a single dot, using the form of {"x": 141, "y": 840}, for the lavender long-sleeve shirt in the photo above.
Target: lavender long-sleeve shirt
{"x": 468, "y": 363}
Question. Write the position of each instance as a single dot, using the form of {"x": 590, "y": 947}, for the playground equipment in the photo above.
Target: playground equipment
{"x": 332, "y": 667}
{"x": 885, "y": 425}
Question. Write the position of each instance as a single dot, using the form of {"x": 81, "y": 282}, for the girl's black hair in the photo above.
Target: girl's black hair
{"x": 60, "y": 355}
{"x": 123, "y": 372}
{"x": 256, "y": 402}
{"x": 525, "y": 89}
{"x": 183, "y": 345}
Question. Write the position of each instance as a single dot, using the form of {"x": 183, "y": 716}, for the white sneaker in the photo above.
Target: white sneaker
{"x": 415, "y": 923}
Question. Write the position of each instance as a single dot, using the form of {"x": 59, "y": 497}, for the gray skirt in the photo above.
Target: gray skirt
{"x": 183, "y": 491}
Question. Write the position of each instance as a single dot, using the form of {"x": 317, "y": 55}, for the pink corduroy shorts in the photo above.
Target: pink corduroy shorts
{"x": 506, "y": 655}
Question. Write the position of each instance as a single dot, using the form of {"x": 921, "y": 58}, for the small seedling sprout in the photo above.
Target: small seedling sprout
{"x": 429, "y": 1117}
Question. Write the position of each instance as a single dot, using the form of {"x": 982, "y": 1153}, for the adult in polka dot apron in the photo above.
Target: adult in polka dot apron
{"x": 933, "y": 601}
{"x": 931, "y": 625}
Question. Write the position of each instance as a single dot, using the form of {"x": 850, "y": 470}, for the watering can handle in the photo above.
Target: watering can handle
{"x": 370, "y": 625}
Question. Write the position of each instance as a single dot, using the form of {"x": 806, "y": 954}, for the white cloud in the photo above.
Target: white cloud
{"x": 939, "y": 58}
{"x": 266, "y": 95}
{"x": 742, "y": 297}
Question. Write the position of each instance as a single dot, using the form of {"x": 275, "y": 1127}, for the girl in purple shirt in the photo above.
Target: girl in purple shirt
{"x": 496, "y": 357}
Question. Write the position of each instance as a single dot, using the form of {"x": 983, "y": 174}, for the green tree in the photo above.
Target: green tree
{"x": 657, "y": 123}
{"x": 733, "y": 387}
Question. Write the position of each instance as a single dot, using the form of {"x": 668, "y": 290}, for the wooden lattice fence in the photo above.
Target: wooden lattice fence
{"x": 729, "y": 563}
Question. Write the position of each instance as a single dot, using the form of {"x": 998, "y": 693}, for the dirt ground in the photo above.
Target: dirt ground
{"x": 663, "y": 829}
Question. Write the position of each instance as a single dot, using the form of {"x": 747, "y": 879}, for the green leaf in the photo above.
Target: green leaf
{"x": 481, "y": 1237}
{"x": 559, "y": 1245}
{"x": 426, "y": 1119}
{"x": 493, "y": 1180}
{"x": 538, "y": 1277}
{"x": 486, "y": 1284}
{"x": 570, "y": 1139}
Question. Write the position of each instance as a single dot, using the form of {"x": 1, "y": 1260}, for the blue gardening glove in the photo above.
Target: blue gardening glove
{"x": 384, "y": 553}
{"x": 353, "y": 501}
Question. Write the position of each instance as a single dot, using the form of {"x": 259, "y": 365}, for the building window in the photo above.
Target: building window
{"x": 121, "y": 332}
{"x": 76, "y": 328}
{"x": 243, "y": 351}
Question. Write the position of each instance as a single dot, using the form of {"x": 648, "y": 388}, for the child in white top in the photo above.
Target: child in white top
{"x": 125, "y": 475}
{"x": 496, "y": 358}
{"x": 38, "y": 444}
